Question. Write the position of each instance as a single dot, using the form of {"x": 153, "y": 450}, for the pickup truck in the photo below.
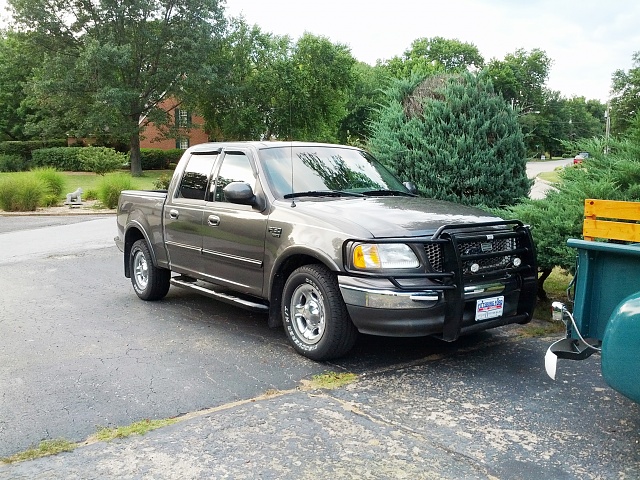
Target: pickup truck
{"x": 327, "y": 242}
{"x": 606, "y": 296}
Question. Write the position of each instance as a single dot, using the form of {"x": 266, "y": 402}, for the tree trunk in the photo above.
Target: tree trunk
{"x": 134, "y": 155}
{"x": 544, "y": 274}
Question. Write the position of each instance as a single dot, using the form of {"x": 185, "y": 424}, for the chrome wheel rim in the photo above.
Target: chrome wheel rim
{"x": 308, "y": 314}
{"x": 141, "y": 270}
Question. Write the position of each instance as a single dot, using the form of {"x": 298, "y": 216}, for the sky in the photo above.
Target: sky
{"x": 588, "y": 40}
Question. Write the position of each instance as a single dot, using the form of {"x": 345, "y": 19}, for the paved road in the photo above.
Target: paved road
{"x": 540, "y": 187}
{"x": 79, "y": 350}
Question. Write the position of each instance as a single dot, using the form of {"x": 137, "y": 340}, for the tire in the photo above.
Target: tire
{"x": 149, "y": 282}
{"x": 315, "y": 317}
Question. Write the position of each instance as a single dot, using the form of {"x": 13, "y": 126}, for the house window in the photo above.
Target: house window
{"x": 183, "y": 118}
{"x": 182, "y": 143}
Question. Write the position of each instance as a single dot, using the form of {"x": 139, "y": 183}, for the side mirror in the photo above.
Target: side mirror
{"x": 411, "y": 187}
{"x": 242, "y": 193}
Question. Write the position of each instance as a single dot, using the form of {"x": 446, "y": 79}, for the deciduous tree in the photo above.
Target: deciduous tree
{"x": 111, "y": 63}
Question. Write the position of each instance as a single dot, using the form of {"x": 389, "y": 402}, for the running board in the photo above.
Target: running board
{"x": 190, "y": 284}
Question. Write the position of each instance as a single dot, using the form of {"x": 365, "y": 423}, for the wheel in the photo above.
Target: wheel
{"x": 316, "y": 320}
{"x": 149, "y": 282}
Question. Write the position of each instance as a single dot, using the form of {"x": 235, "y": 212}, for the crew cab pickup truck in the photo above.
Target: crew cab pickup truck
{"x": 328, "y": 243}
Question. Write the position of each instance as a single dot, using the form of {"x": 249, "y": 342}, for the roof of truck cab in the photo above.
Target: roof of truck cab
{"x": 259, "y": 145}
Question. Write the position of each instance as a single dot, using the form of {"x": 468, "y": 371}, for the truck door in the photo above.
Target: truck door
{"x": 234, "y": 235}
{"x": 183, "y": 214}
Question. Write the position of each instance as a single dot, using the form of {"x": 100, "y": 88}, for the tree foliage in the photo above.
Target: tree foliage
{"x": 520, "y": 78}
{"x": 454, "y": 138}
{"x": 431, "y": 55}
{"x": 625, "y": 102}
{"x": 18, "y": 57}
{"x": 270, "y": 87}
{"x": 559, "y": 216}
{"x": 111, "y": 63}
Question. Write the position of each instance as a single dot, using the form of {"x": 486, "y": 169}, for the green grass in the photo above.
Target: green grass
{"x": 331, "y": 380}
{"x": 138, "y": 428}
{"x": 89, "y": 181}
{"x": 556, "y": 287}
{"x": 44, "y": 449}
{"x": 551, "y": 177}
{"x": 53, "y": 447}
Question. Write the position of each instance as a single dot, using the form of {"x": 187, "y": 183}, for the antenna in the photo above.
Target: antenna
{"x": 293, "y": 198}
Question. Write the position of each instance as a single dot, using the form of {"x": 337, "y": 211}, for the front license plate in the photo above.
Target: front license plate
{"x": 489, "y": 308}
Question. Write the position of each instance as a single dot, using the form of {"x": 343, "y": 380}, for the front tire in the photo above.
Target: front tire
{"x": 149, "y": 282}
{"x": 316, "y": 320}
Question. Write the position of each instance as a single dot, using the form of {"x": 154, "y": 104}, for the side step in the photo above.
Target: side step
{"x": 243, "y": 302}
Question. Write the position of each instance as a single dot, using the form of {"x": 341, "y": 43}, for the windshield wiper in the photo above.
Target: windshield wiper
{"x": 387, "y": 193}
{"x": 323, "y": 193}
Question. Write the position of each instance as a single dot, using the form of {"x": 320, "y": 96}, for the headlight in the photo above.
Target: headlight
{"x": 384, "y": 255}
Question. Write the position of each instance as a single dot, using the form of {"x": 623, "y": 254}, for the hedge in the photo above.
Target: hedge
{"x": 60, "y": 158}
{"x": 25, "y": 149}
{"x": 156, "y": 159}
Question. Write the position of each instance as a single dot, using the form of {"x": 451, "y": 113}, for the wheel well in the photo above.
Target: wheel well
{"x": 284, "y": 270}
{"x": 131, "y": 237}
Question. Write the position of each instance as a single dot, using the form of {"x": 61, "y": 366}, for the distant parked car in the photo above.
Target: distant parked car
{"x": 579, "y": 158}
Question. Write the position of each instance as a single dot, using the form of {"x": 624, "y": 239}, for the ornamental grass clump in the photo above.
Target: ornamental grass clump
{"x": 21, "y": 192}
{"x": 54, "y": 182}
{"x": 110, "y": 187}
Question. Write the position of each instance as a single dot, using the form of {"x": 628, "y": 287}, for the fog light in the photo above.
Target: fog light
{"x": 517, "y": 262}
{"x": 474, "y": 268}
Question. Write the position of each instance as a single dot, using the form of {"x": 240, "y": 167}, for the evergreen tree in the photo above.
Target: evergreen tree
{"x": 454, "y": 138}
{"x": 559, "y": 216}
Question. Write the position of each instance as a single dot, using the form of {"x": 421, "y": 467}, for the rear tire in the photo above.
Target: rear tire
{"x": 149, "y": 282}
{"x": 316, "y": 320}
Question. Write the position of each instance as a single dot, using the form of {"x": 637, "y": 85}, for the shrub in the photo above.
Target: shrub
{"x": 90, "y": 194}
{"x": 60, "y": 158}
{"x": 11, "y": 163}
{"x": 25, "y": 149}
{"x": 110, "y": 187}
{"x": 101, "y": 160}
{"x": 21, "y": 192}
{"x": 454, "y": 138}
{"x": 162, "y": 182}
{"x": 156, "y": 159}
{"x": 54, "y": 184}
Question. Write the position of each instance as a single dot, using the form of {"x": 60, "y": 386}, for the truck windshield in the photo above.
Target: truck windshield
{"x": 325, "y": 168}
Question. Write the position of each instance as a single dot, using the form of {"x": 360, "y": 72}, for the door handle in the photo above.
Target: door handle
{"x": 173, "y": 214}
{"x": 213, "y": 220}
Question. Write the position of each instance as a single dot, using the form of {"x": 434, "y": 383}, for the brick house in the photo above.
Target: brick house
{"x": 186, "y": 129}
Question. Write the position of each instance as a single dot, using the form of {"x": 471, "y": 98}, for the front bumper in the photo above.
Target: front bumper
{"x": 386, "y": 311}
{"x": 463, "y": 264}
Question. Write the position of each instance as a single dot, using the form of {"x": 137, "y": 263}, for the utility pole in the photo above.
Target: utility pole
{"x": 607, "y": 129}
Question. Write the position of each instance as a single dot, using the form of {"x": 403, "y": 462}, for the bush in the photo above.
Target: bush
{"x": 101, "y": 160}
{"x": 60, "y": 158}
{"x": 54, "y": 184}
{"x": 162, "y": 182}
{"x": 156, "y": 159}
{"x": 11, "y": 163}
{"x": 25, "y": 149}
{"x": 21, "y": 192}
{"x": 110, "y": 187}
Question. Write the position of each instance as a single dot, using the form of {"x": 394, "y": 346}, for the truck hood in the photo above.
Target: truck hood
{"x": 394, "y": 216}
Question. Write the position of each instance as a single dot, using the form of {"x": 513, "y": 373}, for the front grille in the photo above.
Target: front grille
{"x": 434, "y": 255}
{"x": 505, "y": 245}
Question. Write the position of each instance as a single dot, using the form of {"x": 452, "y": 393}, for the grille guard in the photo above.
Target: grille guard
{"x": 452, "y": 280}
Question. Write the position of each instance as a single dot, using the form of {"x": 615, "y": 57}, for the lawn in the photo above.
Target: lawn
{"x": 89, "y": 181}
